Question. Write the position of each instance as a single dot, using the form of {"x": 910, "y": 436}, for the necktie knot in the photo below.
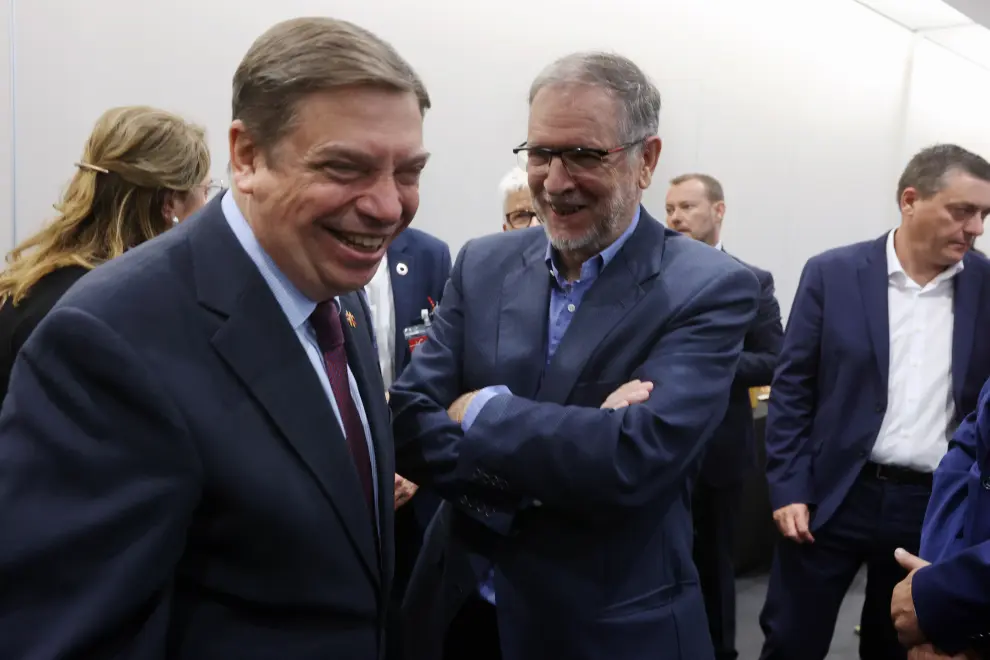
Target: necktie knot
{"x": 325, "y": 320}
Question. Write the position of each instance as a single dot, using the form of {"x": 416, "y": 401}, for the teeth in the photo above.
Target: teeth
{"x": 365, "y": 242}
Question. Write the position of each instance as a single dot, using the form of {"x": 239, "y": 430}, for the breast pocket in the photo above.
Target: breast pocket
{"x": 593, "y": 394}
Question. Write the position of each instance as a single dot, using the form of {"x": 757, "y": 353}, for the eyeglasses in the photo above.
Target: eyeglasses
{"x": 521, "y": 219}
{"x": 576, "y": 160}
{"x": 213, "y": 187}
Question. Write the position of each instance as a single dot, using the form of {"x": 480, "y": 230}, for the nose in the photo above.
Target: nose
{"x": 382, "y": 201}
{"x": 557, "y": 180}
{"x": 534, "y": 222}
{"x": 974, "y": 226}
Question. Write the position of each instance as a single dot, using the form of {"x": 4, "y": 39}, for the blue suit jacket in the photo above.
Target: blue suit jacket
{"x": 951, "y": 597}
{"x": 829, "y": 393}
{"x": 732, "y": 452}
{"x": 427, "y": 261}
{"x": 585, "y": 512}
{"x": 173, "y": 481}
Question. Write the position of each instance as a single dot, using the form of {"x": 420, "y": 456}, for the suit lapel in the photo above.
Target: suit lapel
{"x": 258, "y": 344}
{"x": 520, "y": 349}
{"x": 403, "y": 292}
{"x": 968, "y": 290}
{"x": 363, "y": 361}
{"x": 873, "y": 282}
{"x": 615, "y": 292}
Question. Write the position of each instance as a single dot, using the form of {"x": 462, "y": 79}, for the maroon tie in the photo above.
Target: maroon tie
{"x": 330, "y": 339}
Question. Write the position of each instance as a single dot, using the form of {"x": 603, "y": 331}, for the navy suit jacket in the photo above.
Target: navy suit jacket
{"x": 584, "y": 512}
{"x": 829, "y": 392}
{"x": 427, "y": 266}
{"x": 173, "y": 480}
{"x": 951, "y": 597}
{"x": 732, "y": 451}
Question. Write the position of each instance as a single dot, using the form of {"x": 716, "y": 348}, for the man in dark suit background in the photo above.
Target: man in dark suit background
{"x": 884, "y": 353}
{"x": 195, "y": 455}
{"x": 565, "y": 397}
{"x": 408, "y": 283}
{"x": 696, "y": 208}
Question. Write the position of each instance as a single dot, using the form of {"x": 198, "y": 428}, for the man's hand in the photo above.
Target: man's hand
{"x": 793, "y": 522}
{"x": 635, "y": 391}
{"x": 459, "y": 407}
{"x": 902, "y": 603}
{"x": 404, "y": 490}
{"x": 928, "y": 652}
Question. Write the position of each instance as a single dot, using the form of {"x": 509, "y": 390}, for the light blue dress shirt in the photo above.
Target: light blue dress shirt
{"x": 565, "y": 298}
{"x": 297, "y": 308}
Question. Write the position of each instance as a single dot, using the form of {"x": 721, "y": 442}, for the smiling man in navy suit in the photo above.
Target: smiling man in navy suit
{"x": 195, "y": 454}
{"x": 565, "y": 396}
{"x": 885, "y": 352}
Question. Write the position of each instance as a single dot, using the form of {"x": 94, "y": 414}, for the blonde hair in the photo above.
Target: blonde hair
{"x": 133, "y": 159}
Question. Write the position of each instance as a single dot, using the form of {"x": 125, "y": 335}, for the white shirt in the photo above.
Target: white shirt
{"x": 379, "y": 293}
{"x": 920, "y": 411}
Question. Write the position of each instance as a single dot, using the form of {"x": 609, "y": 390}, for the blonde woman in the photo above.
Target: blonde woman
{"x": 142, "y": 170}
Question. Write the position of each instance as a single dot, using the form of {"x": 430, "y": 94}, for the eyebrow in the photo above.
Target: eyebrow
{"x": 340, "y": 151}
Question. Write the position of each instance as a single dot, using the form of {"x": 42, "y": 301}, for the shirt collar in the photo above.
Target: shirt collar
{"x": 296, "y": 306}
{"x": 894, "y": 264}
{"x": 592, "y": 267}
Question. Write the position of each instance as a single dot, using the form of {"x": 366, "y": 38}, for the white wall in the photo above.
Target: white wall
{"x": 6, "y": 129}
{"x": 798, "y": 106}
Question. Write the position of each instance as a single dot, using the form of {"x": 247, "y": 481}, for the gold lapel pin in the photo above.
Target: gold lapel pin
{"x": 350, "y": 319}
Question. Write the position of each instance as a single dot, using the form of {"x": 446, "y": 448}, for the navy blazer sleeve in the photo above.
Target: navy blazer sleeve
{"x": 943, "y": 530}
{"x": 762, "y": 344}
{"x": 98, "y": 482}
{"x": 794, "y": 394}
{"x": 573, "y": 457}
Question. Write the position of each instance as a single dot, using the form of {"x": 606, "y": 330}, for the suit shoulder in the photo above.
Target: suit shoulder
{"x": 504, "y": 244}
{"x": 763, "y": 275}
{"x": 421, "y": 240}
{"x": 687, "y": 257}
{"x": 843, "y": 255}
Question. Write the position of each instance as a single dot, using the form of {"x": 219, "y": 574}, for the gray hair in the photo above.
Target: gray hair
{"x": 619, "y": 76}
{"x": 301, "y": 56}
{"x": 513, "y": 182}
{"x": 927, "y": 169}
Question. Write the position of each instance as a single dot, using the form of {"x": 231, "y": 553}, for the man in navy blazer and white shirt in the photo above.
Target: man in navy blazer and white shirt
{"x": 195, "y": 454}
{"x": 884, "y": 353}
{"x": 409, "y": 281}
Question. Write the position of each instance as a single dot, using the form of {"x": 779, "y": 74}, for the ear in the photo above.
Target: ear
{"x": 719, "y": 211}
{"x": 908, "y": 199}
{"x": 244, "y": 155}
{"x": 651, "y": 156}
{"x": 170, "y": 205}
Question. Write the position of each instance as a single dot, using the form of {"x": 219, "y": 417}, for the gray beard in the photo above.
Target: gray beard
{"x": 598, "y": 236}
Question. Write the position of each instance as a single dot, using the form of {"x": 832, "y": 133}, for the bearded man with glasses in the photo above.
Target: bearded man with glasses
{"x": 571, "y": 381}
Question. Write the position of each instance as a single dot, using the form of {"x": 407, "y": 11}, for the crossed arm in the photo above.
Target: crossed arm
{"x": 574, "y": 457}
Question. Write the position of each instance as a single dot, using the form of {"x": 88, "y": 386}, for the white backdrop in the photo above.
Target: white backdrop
{"x": 805, "y": 109}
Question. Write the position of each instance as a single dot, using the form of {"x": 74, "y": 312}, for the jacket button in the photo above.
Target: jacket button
{"x": 986, "y": 483}
{"x": 879, "y": 408}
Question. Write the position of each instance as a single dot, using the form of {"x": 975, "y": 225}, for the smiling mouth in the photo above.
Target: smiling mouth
{"x": 563, "y": 209}
{"x": 361, "y": 242}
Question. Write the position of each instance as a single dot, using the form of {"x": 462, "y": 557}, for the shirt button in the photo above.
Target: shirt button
{"x": 571, "y": 308}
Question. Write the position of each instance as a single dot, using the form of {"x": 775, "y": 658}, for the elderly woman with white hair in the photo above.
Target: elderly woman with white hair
{"x": 517, "y": 201}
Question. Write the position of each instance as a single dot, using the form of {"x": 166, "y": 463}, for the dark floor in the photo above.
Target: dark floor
{"x": 751, "y": 593}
